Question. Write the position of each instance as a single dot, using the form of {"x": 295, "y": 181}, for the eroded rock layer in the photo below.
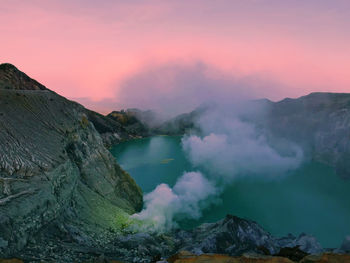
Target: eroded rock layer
{"x": 53, "y": 165}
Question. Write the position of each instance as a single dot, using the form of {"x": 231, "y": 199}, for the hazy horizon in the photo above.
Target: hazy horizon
{"x": 116, "y": 54}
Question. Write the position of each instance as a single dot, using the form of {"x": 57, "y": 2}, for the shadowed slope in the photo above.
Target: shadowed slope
{"x": 53, "y": 165}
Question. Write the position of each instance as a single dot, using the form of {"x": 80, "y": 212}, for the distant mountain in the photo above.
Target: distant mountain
{"x": 134, "y": 121}
{"x": 181, "y": 124}
{"x": 318, "y": 122}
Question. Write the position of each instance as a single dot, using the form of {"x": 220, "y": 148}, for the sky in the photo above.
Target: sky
{"x": 165, "y": 53}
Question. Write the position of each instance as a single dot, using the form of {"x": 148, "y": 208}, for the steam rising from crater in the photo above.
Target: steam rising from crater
{"x": 191, "y": 193}
{"x": 229, "y": 144}
{"x": 227, "y": 148}
{"x": 231, "y": 147}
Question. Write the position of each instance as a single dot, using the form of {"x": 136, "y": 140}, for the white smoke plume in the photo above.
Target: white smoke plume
{"x": 191, "y": 193}
{"x": 229, "y": 144}
{"x": 231, "y": 147}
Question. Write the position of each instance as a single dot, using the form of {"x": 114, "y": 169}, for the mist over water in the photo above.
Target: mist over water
{"x": 310, "y": 199}
{"x": 230, "y": 147}
{"x": 227, "y": 148}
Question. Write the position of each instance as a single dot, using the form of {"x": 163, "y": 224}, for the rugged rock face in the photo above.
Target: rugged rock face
{"x": 320, "y": 122}
{"x": 235, "y": 236}
{"x": 122, "y": 125}
{"x": 12, "y": 78}
{"x": 111, "y": 131}
{"x": 133, "y": 121}
{"x": 232, "y": 236}
{"x": 53, "y": 166}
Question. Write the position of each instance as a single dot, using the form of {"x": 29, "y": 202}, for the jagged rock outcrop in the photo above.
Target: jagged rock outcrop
{"x": 54, "y": 167}
{"x": 111, "y": 131}
{"x": 122, "y": 125}
{"x": 232, "y": 236}
{"x": 12, "y": 78}
{"x": 235, "y": 236}
{"x": 132, "y": 122}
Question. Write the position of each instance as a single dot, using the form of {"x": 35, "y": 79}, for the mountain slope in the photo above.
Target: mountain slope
{"x": 54, "y": 166}
{"x": 319, "y": 122}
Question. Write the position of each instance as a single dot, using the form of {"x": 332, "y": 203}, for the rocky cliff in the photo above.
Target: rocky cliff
{"x": 111, "y": 131}
{"x": 132, "y": 120}
{"x": 319, "y": 122}
{"x": 54, "y": 167}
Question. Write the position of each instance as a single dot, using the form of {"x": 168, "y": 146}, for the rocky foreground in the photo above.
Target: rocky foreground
{"x": 64, "y": 198}
{"x": 187, "y": 257}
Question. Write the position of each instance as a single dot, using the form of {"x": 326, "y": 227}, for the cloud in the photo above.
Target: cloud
{"x": 173, "y": 88}
{"x": 178, "y": 87}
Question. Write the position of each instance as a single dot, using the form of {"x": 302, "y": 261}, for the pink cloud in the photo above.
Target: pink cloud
{"x": 84, "y": 49}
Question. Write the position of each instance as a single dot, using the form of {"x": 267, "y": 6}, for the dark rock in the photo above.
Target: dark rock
{"x": 235, "y": 236}
{"x": 264, "y": 250}
{"x": 293, "y": 253}
{"x": 132, "y": 121}
{"x": 111, "y": 131}
{"x": 306, "y": 243}
{"x": 12, "y": 78}
{"x": 346, "y": 245}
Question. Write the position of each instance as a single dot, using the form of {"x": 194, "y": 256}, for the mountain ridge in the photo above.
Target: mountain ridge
{"x": 53, "y": 166}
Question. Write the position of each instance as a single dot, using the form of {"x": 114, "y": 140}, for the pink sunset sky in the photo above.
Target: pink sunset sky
{"x": 161, "y": 53}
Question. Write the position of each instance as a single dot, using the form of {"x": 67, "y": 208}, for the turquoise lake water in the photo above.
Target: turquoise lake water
{"x": 312, "y": 199}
